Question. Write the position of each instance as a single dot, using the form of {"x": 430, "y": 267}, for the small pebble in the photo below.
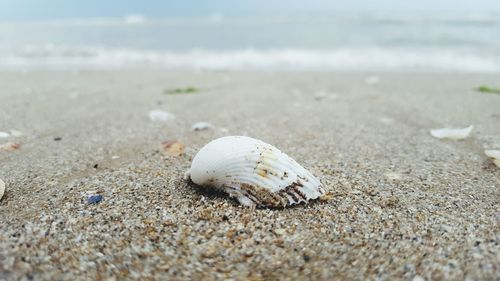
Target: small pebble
{"x": 57, "y": 138}
{"x": 306, "y": 258}
{"x": 96, "y": 166}
{"x": 94, "y": 199}
{"x": 200, "y": 126}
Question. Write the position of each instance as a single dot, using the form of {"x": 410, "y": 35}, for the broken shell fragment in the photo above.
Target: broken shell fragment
{"x": 9, "y": 146}
{"x": 173, "y": 147}
{"x": 2, "y": 188}
{"x": 454, "y": 134}
{"x": 160, "y": 116}
{"x": 4, "y": 135}
{"x": 254, "y": 172}
{"x": 200, "y": 126}
{"x": 494, "y": 155}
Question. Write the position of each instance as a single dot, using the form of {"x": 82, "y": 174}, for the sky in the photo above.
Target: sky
{"x": 60, "y": 9}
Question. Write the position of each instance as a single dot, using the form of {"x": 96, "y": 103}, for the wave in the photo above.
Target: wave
{"x": 350, "y": 59}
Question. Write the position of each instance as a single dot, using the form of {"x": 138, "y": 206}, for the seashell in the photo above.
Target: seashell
{"x": 173, "y": 147}
{"x": 9, "y": 146}
{"x": 253, "y": 172}
{"x": 2, "y": 188}
{"x": 160, "y": 115}
{"x": 4, "y": 135}
{"x": 200, "y": 126}
{"x": 494, "y": 155}
{"x": 454, "y": 134}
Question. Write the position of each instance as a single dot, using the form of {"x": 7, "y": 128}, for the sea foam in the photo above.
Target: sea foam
{"x": 349, "y": 59}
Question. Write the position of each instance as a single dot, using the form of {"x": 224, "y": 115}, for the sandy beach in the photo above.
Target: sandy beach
{"x": 402, "y": 205}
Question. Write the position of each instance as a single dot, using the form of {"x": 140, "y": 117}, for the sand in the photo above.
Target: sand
{"x": 402, "y": 206}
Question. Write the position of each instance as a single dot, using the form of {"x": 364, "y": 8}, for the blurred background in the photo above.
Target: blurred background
{"x": 385, "y": 35}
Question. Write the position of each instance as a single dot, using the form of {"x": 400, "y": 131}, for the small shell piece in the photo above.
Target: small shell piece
{"x": 2, "y": 188}
{"x": 454, "y": 134}
{"x": 160, "y": 115}
{"x": 200, "y": 126}
{"x": 254, "y": 172}
{"x": 173, "y": 147}
{"x": 9, "y": 146}
{"x": 494, "y": 155}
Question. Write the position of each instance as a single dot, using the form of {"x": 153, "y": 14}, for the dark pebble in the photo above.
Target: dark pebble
{"x": 225, "y": 218}
{"x": 57, "y": 138}
{"x": 95, "y": 166}
{"x": 94, "y": 199}
{"x": 307, "y": 258}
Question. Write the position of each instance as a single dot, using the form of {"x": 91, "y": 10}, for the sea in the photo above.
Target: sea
{"x": 341, "y": 42}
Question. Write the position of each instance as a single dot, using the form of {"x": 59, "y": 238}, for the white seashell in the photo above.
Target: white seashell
{"x": 4, "y": 135}
{"x": 2, "y": 188}
{"x": 200, "y": 126}
{"x": 454, "y": 134}
{"x": 495, "y": 156}
{"x": 160, "y": 115}
{"x": 254, "y": 172}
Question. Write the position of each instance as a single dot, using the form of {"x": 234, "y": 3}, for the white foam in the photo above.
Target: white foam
{"x": 350, "y": 59}
{"x": 134, "y": 19}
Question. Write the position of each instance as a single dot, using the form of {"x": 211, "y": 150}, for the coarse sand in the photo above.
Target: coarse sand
{"x": 402, "y": 205}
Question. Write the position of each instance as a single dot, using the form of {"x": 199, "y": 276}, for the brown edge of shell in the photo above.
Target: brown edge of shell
{"x": 262, "y": 198}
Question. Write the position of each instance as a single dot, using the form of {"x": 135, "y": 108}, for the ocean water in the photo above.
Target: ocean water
{"x": 353, "y": 42}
